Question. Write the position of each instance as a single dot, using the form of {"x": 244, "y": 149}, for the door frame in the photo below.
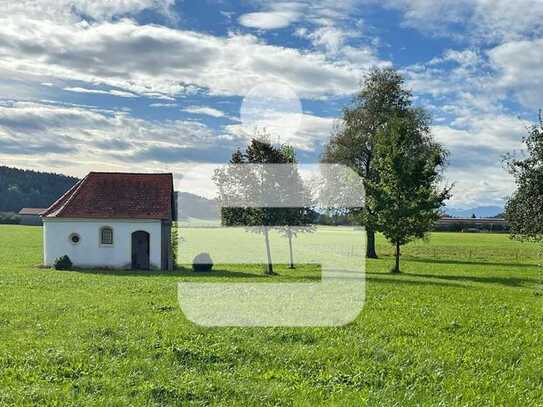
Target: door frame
{"x": 132, "y": 237}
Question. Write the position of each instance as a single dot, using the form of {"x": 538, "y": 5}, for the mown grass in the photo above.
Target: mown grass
{"x": 451, "y": 330}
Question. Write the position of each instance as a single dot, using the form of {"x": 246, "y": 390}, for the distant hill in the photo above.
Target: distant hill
{"x": 30, "y": 189}
{"x": 195, "y": 206}
{"x": 480, "y": 212}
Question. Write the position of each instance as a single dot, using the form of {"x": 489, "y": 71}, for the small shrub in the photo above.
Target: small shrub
{"x": 63, "y": 263}
{"x": 202, "y": 262}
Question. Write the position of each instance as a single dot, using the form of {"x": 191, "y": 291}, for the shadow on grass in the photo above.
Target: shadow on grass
{"x": 392, "y": 279}
{"x": 405, "y": 278}
{"x": 451, "y": 279}
{"x": 186, "y": 272}
{"x": 466, "y": 262}
{"x": 180, "y": 272}
{"x": 506, "y": 281}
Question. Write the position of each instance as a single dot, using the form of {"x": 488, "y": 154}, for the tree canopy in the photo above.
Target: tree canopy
{"x": 30, "y": 189}
{"x": 382, "y": 96}
{"x": 523, "y": 211}
{"x": 258, "y": 196}
{"x": 405, "y": 194}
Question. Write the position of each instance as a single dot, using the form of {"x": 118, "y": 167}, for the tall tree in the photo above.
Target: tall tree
{"x": 259, "y": 185}
{"x": 382, "y": 96}
{"x": 523, "y": 210}
{"x": 405, "y": 192}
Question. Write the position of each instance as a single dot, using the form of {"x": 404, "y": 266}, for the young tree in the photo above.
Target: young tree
{"x": 297, "y": 219}
{"x": 240, "y": 184}
{"x": 383, "y": 96}
{"x": 405, "y": 193}
{"x": 523, "y": 211}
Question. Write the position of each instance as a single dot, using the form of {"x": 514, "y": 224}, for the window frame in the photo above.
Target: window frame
{"x": 101, "y": 236}
{"x": 72, "y": 235}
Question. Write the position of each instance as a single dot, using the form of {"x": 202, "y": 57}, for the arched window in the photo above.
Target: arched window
{"x": 106, "y": 235}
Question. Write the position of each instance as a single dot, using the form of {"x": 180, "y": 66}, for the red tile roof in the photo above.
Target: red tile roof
{"x": 117, "y": 195}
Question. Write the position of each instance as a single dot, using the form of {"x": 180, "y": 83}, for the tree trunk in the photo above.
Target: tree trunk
{"x": 370, "y": 244}
{"x": 269, "y": 268}
{"x": 396, "y": 268}
{"x": 291, "y": 265}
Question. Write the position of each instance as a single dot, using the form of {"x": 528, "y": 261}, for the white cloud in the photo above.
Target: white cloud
{"x": 51, "y": 43}
{"x": 312, "y": 131}
{"x": 118, "y": 55}
{"x": 466, "y": 57}
{"x": 75, "y": 140}
{"x": 281, "y": 14}
{"x": 87, "y": 135}
{"x": 501, "y": 133}
{"x": 490, "y": 186}
{"x": 269, "y": 20}
{"x": 329, "y": 38}
{"x": 71, "y": 10}
{"x": 111, "y": 92}
{"x": 483, "y": 20}
{"x": 163, "y": 105}
{"x": 484, "y": 80}
{"x": 477, "y": 145}
{"x": 471, "y": 98}
{"x": 205, "y": 110}
{"x": 519, "y": 70}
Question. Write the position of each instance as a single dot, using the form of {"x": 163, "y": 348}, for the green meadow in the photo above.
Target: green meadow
{"x": 462, "y": 325}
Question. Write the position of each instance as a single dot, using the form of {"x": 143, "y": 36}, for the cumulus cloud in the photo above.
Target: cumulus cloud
{"x": 490, "y": 186}
{"x": 156, "y": 60}
{"x": 302, "y": 131}
{"x": 76, "y": 139}
{"x": 501, "y": 133}
{"x": 519, "y": 70}
{"x": 101, "y": 45}
{"x": 480, "y": 21}
{"x": 330, "y": 38}
{"x": 483, "y": 20}
{"x": 467, "y": 57}
{"x": 477, "y": 145}
{"x": 96, "y": 134}
{"x": 483, "y": 81}
{"x": 73, "y": 10}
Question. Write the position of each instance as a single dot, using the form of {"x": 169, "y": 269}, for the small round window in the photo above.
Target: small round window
{"x": 75, "y": 238}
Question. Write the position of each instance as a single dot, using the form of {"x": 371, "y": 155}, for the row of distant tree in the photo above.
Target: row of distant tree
{"x": 23, "y": 188}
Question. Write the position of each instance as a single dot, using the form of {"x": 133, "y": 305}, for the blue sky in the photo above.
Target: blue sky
{"x": 158, "y": 85}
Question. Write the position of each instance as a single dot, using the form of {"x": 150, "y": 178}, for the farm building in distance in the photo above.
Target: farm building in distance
{"x": 31, "y": 216}
{"x": 449, "y": 224}
{"x": 113, "y": 220}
